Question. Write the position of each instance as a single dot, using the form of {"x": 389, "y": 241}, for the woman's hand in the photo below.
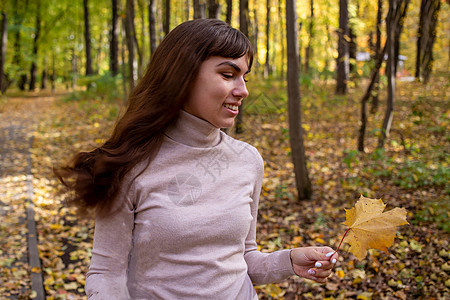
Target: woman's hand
{"x": 313, "y": 263}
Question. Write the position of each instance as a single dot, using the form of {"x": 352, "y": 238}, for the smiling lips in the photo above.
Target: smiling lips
{"x": 232, "y": 107}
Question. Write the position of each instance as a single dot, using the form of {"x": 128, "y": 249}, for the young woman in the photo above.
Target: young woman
{"x": 176, "y": 198}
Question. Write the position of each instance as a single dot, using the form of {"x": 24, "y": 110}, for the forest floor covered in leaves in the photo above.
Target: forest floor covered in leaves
{"x": 412, "y": 172}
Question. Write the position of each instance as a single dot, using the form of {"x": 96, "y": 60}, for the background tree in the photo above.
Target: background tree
{"x": 267, "y": 67}
{"x": 396, "y": 14}
{"x": 37, "y": 33}
{"x": 342, "y": 65}
{"x": 167, "y": 17}
{"x": 114, "y": 47}
{"x": 130, "y": 37}
{"x": 303, "y": 183}
{"x": 213, "y": 9}
{"x": 426, "y": 35}
{"x": 243, "y": 27}
{"x": 199, "y": 9}
{"x": 376, "y": 87}
{"x": 308, "y": 50}
{"x": 3, "y": 44}
{"x": 229, "y": 11}
{"x": 152, "y": 25}
{"x": 87, "y": 38}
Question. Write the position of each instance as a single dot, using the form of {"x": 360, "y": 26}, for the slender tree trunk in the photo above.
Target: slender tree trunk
{"x": 375, "y": 99}
{"x": 243, "y": 27}
{"x": 255, "y": 34}
{"x": 372, "y": 85}
{"x": 229, "y": 11}
{"x": 129, "y": 32}
{"x": 199, "y": 10}
{"x": 283, "y": 50}
{"x": 167, "y": 17}
{"x": 400, "y": 17}
{"x": 122, "y": 56}
{"x": 267, "y": 68}
{"x": 308, "y": 50}
{"x": 303, "y": 183}
{"x": 426, "y": 35}
{"x": 114, "y": 48}
{"x": 53, "y": 77}
{"x": 390, "y": 69}
{"x": 17, "y": 58}
{"x": 3, "y": 44}
{"x": 44, "y": 75}
{"x": 74, "y": 69}
{"x": 87, "y": 38}
{"x": 352, "y": 49}
{"x": 213, "y": 9}
{"x": 37, "y": 33}
{"x": 152, "y": 25}
{"x": 342, "y": 62}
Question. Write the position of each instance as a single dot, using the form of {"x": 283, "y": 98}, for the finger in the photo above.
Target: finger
{"x": 326, "y": 265}
{"x": 322, "y": 273}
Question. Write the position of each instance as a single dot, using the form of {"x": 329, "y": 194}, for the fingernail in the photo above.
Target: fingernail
{"x": 311, "y": 272}
{"x": 334, "y": 261}
{"x": 329, "y": 254}
{"x": 318, "y": 265}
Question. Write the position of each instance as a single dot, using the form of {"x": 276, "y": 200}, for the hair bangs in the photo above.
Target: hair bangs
{"x": 231, "y": 43}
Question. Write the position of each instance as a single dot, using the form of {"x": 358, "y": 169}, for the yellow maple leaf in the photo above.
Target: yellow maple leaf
{"x": 370, "y": 227}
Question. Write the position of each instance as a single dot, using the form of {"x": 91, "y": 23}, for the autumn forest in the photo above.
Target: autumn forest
{"x": 348, "y": 100}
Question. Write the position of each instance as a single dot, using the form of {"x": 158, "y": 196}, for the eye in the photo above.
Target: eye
{"x": 227, "y": 75}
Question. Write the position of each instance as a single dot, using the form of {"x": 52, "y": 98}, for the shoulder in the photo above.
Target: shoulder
{"x": 243, "y": 150}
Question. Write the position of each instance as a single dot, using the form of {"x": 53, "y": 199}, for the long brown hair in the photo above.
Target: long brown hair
{"x": 95, "y": 177}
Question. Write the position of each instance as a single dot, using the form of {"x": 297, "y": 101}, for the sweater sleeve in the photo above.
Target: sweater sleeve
{"x": 107, "y": 276}
{"x": 264, "y": 268}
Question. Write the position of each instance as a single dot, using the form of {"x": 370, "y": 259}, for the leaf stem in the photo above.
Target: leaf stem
{"x": 341, "y": 241}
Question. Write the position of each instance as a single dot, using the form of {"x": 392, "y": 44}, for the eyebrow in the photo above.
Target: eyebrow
{"x": 233, "y": 65}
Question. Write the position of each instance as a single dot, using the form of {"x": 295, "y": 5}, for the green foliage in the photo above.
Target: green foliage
{"x": 436, "y": 212}
{"x": 104, "y": 87}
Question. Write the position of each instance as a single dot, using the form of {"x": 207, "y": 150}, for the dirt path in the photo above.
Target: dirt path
{"x": 19, "y": 259}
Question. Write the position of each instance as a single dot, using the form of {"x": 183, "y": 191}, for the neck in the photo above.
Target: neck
{"x": 193, "y": 131}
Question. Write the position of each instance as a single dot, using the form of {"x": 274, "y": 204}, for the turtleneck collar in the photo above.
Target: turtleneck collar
{"x": 193, "y": 131}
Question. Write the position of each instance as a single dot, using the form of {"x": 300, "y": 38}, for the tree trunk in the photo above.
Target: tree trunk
{"x": 129, "y": 32}
{"x": 267, "y": 68}
{"x": 229, "y": 11}
{"x": 87, "y": 38}
{"x": 3, "y": 44}
{"x": 342, "y": 62}
{"x": 152, "y": 25}
{"x": 243, "y": 27}
{"x": 123, "y": 68}
{"x": 399, "y": 21}
{"x": 283, "y": 50}
{"x": 213, "y": 9}
{"x": 372, "y": 85}
{"x": 255, "y": 34}
{"x": 37, "y": 33}
{"x": 308, "y": 50}
{"x": 74, "y": 69}
{"x": 199, "y": 9}
{"x": 303, "y": 183}
{"x": 375, "y": 99}
{"x": 390, "y": 69}
{"x": 167, "y": 17}
{"x": 114, "y": 48}
{"x": 17, "y": 58}
{"x": 426, "y": 35}
{"x": 53, "y": 77}
{"x": 352, "y": 49}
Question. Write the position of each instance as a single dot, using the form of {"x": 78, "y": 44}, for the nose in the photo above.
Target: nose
{"x": 240, "y": 90}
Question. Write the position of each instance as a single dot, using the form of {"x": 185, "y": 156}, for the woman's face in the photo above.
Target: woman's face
{"x": 218, "y": 90}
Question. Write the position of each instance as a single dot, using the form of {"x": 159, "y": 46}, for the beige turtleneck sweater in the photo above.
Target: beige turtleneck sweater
{"x": 187, "y": 226}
